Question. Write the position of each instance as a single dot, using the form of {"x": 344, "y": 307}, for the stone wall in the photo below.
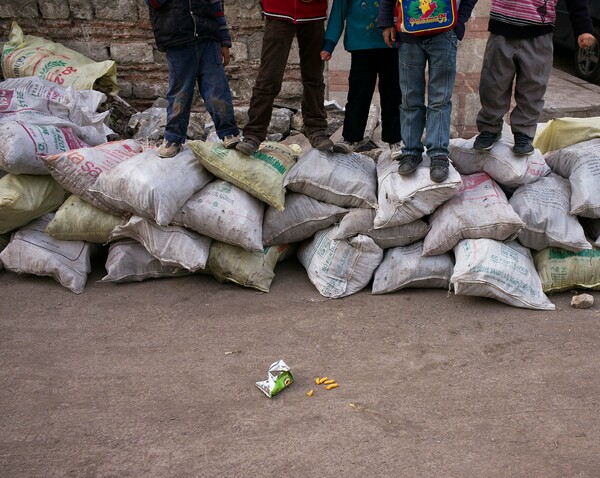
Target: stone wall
{"x": 120, "y": 30}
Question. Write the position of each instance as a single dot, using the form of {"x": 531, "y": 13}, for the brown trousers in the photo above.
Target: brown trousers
{"x": 277, "y": 42}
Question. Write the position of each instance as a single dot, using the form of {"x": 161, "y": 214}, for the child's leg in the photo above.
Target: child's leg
{"x": 412, "y": 59}
{"x": 441, "y": 51}
{"x": 361, "y": 85}
{"x": 389, "y": 93}
{"x": 214, "y": 88}
{"x": 183, "y": 64}
{"x": 495, "y": 84}
{"x": 534, "y": 67}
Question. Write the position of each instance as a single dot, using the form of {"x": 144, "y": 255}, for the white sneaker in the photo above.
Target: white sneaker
{"x": 396, "y": 149}
{"x": 230, "y": 141}
{"x": 344, "y": 146}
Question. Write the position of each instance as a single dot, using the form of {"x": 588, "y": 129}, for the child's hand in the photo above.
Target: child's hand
{"x": 389, "y": 36}
{"x": 585, "y": 40}
{"x": 325, "y": 55}
{"x": 225, "y": 53}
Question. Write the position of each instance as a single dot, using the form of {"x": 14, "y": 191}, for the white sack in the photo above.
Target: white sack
{"x": 23, "y": 145}
{"x": 153, "y": 187}
{"x": 172, "y": 246}
{"x": 302, "y": 217}
{"x": 580, "y": 164}
{"x": 561, "y": 270}
{"x": 404, "y": 199}
{"x": 544, "y": 208}
{"x": 500, "y": 270}
{"x": 346, "y": 180}
{"x": 31, "y": 251}
{"x": 339, "y": 268}
{"x": 226, "y": 213}
{"x": 479, "y": 210}
{"x": 406, "y": 267}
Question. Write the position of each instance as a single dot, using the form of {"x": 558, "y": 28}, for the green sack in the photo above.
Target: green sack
{"x": 562, "y": 270}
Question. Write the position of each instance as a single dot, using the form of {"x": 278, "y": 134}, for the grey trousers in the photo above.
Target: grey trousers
{"x": 527, "y": 63}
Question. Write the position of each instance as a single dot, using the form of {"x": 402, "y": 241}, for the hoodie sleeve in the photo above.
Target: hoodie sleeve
{"x": 386, "y": 14}
{"x": 580, "y": 17}
{"x": 464, "y": 13}
{"x": 335, "y": 24}
{"x": 224, "y": 36}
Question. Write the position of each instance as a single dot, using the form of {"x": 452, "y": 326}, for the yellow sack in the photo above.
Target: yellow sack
{"x": 25, "y": 197}
{"x": 562, "y": 132}
{"x": 77, "y": 220}
{"x": 27, "y": 55}
{"x": 562, "y": 270}
{"x": 260, "y": 175}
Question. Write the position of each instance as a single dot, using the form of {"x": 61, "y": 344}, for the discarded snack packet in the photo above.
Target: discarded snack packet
{"x": 279, "y": 378}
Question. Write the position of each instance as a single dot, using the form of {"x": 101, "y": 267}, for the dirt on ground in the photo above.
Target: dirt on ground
{"x": 157, "y": 379}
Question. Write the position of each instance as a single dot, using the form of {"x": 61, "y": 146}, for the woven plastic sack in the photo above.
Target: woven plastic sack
{"x": 339, "y": 268}
{"x": 77, "y": 170}
{"x": 32, "y": 251}
{"x": 580, "y": 163}
{"x": 260, "y": 175}
{"x": 562, "y": 132}
{"x": 149, "y": 186}
{"x": 302, "y": 217}
{"x": 24, "y": 198}
{"x": 562, "y": 270}
{"x": 499, "y": 270}
{"x": 404, "y": 199}
{"x": 479, "y": 210}
{"x": 544, "y": 208}
{"x": 225, "y": 213}
{"x": 172, "y": 246}
{"x": 77, "y": 220}
{"x": 406, "y": 267}
{"x": 28, "y": 55}
{"x": 254, "y": 269}
{"x": 346, "y": 180}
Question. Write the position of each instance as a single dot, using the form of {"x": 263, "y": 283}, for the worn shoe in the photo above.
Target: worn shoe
{"x": 319, "y": 140}
{"x": 438, "y": 170}
{"x": 408, "y": 163}
{"x": 230, "y": 141}
{"x": 247, "y": 146}
{"x": 169, "y": 149}
{"x": 344, "y": 146}
{"x": 523, "y": 146}
{"x": 396, "y": 149}
{"x": 485, "y": 140}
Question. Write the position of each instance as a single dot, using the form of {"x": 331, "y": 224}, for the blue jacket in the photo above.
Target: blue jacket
{"x": 360, "y": 17}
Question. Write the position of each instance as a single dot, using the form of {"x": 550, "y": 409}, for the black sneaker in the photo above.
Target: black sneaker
{"x": 438, "y": 171}
{"x": 408, "y": 163}
{"x": 523, "y": 146}
{"x": 247, "y": 146}
{"x": 486, "y": 140}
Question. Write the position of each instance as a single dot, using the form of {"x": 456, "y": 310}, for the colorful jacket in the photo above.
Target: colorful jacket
{"x": 178, "y": 23}
{"x": 295, "y": 11}
{"x": 531, "y": 18}
{"x": 360, "y": 18}
{"x": 386, "y": 19}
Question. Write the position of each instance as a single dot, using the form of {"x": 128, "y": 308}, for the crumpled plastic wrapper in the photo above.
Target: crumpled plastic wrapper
{"x": 280, "y": 377}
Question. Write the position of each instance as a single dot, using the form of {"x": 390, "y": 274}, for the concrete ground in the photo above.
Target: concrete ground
{"x": 157, "y": 379}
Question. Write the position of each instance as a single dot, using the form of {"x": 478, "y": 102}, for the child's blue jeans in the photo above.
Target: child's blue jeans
{"x": 439, "y": 54}
{"x": 201, "y": 63}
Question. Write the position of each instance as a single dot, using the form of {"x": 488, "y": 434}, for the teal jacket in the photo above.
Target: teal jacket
{"x": 360, "y": 17}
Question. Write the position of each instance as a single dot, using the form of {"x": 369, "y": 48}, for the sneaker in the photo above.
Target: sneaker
{"x": 247, "y": 146}
{"x": 438, "y": 170}
{"x": 319, "y": 140}
{"x": 408, "y": 163}
{"x": 230, "y": 141}
{"x": 396, "y": 149}
{"x": 523, "y": 146}
{"x": 486, "y": 140}
{"x": 344, "y": 146}
{"x": 169, "y": 149}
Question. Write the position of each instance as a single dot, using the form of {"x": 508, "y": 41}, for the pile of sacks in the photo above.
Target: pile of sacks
{"x": 351, "y": 221}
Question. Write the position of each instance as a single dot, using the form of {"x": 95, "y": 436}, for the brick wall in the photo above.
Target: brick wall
{"x": 120, "y": 30}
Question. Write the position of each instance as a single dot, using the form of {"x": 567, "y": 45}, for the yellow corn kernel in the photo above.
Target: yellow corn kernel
{"x": 310, "y": 393}
{"x": 317, "y": 380}
{"x": 333, "y": 385}
{"x": 322, "y": 380}
{"x": 328, "y": 382}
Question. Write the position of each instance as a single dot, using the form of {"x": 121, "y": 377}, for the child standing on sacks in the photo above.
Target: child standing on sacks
{"x": 418, "y": 51}
{"x": 370, "y": 59}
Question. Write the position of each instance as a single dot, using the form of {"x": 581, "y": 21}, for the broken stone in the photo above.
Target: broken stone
{"x": 582, "y": 301}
